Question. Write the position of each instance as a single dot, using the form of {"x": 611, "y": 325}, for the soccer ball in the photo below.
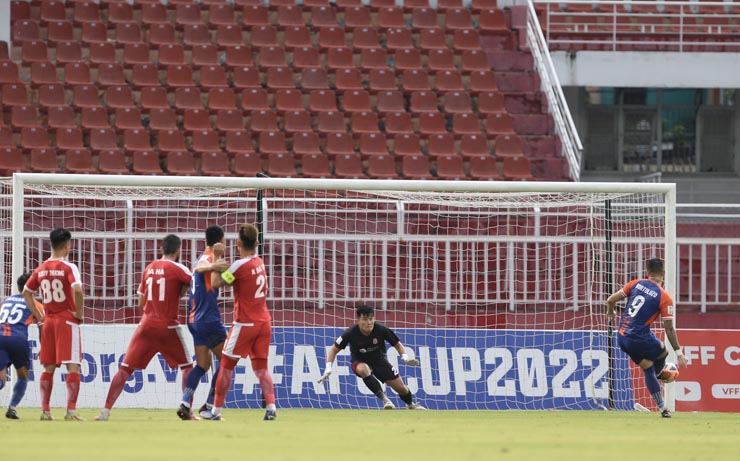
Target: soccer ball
{"x": 669, "y": 373}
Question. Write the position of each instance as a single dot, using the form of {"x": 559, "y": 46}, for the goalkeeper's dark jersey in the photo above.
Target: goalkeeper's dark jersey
{"x": 370, "y": 348}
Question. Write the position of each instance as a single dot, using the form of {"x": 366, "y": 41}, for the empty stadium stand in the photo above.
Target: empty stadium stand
{"x": 117, "y": 79}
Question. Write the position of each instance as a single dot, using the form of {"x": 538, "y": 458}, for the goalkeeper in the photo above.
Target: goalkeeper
{"x": 366, "y": 342}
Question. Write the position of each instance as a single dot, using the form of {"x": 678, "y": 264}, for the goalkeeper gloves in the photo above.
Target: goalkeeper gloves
{"x": 409, "y": 361}
{"x": 327, "y": 372}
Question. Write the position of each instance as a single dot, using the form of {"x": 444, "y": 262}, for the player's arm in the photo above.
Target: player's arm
{"x": 31, "y": 303}
{"x": 330, "y": 357}
{"x": 612, "y": 301}
{"x": 79, "y": 300}
{"x": 670, "y": 333}
{"x": 219, "y": 279}
{"x": 405, "y": 356}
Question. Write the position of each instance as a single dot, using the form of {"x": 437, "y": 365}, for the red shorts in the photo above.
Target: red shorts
{"x": 148, "y": 339}
{"x": 248, "y": 340}
{"x": 61, "y": 342}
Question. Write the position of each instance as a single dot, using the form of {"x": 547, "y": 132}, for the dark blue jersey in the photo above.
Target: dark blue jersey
{"x": 646, "y": 300}
{"x": 15, "y": 316}
{"x": 203, "y": 297}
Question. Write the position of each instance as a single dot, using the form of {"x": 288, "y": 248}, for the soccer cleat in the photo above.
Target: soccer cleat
{"x": 186, "y": 414}
{"x": 270, "y": 415}
{"x": 205, "y": 411}
{"x": 665, "y": 413}
{"x": 387, "y": 404}
{"x": 46, "y": 416}
{"x": 208, "y": 415}
{"x": 72, "y": 416}
{"x": 11, "y": 414}
{"x": 415, "y": 406}
{"x": 103, "y": 416}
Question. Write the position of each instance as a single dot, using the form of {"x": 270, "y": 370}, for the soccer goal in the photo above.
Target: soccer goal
{"x": 498, "y": 288}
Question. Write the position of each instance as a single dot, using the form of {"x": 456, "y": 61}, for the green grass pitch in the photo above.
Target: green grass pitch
{"x": 374, "y": 435}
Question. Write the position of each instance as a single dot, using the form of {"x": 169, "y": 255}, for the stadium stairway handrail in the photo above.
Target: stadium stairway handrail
{"x": 571, "y": 147}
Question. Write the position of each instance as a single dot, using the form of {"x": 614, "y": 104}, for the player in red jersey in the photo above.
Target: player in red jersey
{"x": 163, "y": 283}
{"x": 60, "y": 286}
{"x": 252, "y": 329}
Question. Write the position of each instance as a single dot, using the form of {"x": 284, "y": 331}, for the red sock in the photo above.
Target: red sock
{"x": 73, "y": 390}
{"x": 116, "y": 386}
{"x": 223, "y": 383}
{"x": 45, "y": 384}
{"x": 268, "y": 389}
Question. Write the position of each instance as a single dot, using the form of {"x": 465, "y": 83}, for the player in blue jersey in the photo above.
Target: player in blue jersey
{"x": 204, "y": 320}
{"x": 15, "y": 317}
{"x": 646, "y": 300}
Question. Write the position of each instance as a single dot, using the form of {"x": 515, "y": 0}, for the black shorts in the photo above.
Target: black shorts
{"x": 382, "y": 369}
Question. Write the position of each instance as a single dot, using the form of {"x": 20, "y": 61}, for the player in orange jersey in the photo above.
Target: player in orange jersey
{"x": 250, "y": 335}
{"x": 60, "y": 287}
{"x": 163, "y": 283}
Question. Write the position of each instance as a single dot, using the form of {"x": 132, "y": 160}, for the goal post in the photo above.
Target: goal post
{"x": 498, "y": 287}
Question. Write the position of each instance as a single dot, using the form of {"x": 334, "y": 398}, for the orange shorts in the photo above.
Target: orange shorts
{"x": 248, "y": 340}
{"x": 148, "y": 339}
{"x": 61, "y": 342}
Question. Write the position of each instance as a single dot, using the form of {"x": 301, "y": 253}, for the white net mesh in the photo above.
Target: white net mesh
{"x": 500, "y": 295}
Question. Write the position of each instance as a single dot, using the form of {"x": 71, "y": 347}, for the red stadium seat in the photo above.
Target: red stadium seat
{"x": 8, "y": 72}
{"x": 465, "y": 40}
{"x": 121, "y": 13}
{"x": 297, "y": 122}
{"x": 306, "y": 143}
{"x": 264, "y": 36}
{"x": 441, "y": 60}
{"x": 340, "y": 58}
{"x": 456, "y": 103}
{"x": 382, "y": 167}
{"x": 61, "y": 117}
{"x": 374, "y": 59}
{"x": 499, "y": 124}
{"x": 432, "y": 40}
{"x": 382, "y": 80}
{"x": 128, "y": 118}
{"x": 221, "y": 14}
{"x": 146, "y": 163}
{"x": 255, "y": 16}
{"x": 458, "y": 19}
{"x": 187, "y": 15}
{"x": 170, "y": 54}
{"x": 357, "y": 17}
{"x": 263, "y": 120}
{"x": 323, "y": 16}
{"x": 59, "y": 31}
{"x": 153, "y": 98}
{"x": 314, "y": 79}
{"x": 43, "y": 161}
{"x": 450, "y": 167}
{"x": 34, "y": 52}
{"x": 517, "y": 169}
{"x": 415, "y": 80}
{"x": 14, "y": 95}
{"x": 406, "y": 144}
{"x": 431, "y": 123}
{"x": 110, "y": 75}
{"x": 424, "y": 18}
{"x": 215, "y": 164}
{"x": 484, "y": 168}
{"x": 254, "y": 100}
{"x": 289, "y": 16}
{"x": 181, "y": 164}
{"x": 482, "y": 81}
{"x": 204, "y": 55}
{"x": 153, "y": 14}
{"x": 339, "y": 144}
{"x": 448, "y": 80}
{"x": 247, "y": 164}
{"x": 69, "y": 138}
{"x": 78, "y": 161}
{"x": 213, "y": 77}
{"x": 272, "y": 56}
{"x": 493, "y": 22}
{"x": 221, "y": 99}
{"x": 187, "y": 99}
{"x": 372, "y": 144}
{"x": 246, "y": 78}
{"x": 102, "y": 53}
{"x": 441, "y": 145}
{"x": 179, "y": 76}
{"x": 239, "y": 57}
{"x": 229, "y": 120}
{"x": 228, "y": 36}
{"x": 171, "y": 141}
{"x": 391, "y": 18}
{"x": 348, "y": 79}
{"x": 306, "y": 58}
{"x": 408, "y": 59}
{"x": 356, "y": 101}
{"x": 279, "y": 77}
{"x": 508, "y": 146}
{"x": 112, "y": 161}
{"x": 364, "y": 122}
{"x": 390, "y": 101}
{"x": 399, "y": 39}
{"x": 196, "y": 120}
{"x": 145, "y": 75}
{"x": 162, "y": 34}
{"x": 136, "y": 140}
{"x": 424, "y": 101}
{"x": 365, "y": 39}
{"x": 11, "y": 161}
{"x": 272, "y": 142}
{"x": 136, "y": 53}
{"x": 281, "y": 165}
{"x": 331, "y": 122}
{"x": 322, "y": 101}
{"x": 205, "y": 141}
{"x": 348, "y": 166}
{"x": 238, "y": 142}
{"x": 297, "y": 37}
{"x": 315, "y": 166}
{"x": 474, "y": 61}
{"x": 288, "y": 100}
{"x": 24, "y": 117}
{"x": 398, "y": 123}
{"x": 331, "y": 37}
{"x": 94, "y": 32}
{"x": 68, "y": 52}
{"x": 463, "y": 124}
{"x": 474, "y": 145}
{"x": 52, "y": 11}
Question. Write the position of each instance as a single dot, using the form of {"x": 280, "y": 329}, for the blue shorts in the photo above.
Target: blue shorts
{"x": 209, "y": 334}
{"x": 641, "y": 347}
{"x": 15, "y": 350}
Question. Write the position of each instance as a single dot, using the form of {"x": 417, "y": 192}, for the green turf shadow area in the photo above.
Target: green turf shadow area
{"x": 399, "y": 435}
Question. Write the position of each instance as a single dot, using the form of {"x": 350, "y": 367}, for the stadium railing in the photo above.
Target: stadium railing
{"x": 681, "y": 26}
{"x": 572, "y": 149}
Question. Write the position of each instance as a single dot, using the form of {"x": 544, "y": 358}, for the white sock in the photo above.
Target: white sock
{"x": 216, "y": 411}
{"x": 271, "y": 407}
{"x": 187, "y": 404}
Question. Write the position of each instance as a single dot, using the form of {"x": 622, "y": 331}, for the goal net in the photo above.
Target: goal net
{"x": 498, "y": 289}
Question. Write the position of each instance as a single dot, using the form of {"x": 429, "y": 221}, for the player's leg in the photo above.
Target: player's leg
{"x": 21, "y": 358}
{"x": 237, "y": 345}
{"x": 205, "y": 410}
{"x": 202, "y": 363}
{"x": 649, "y": 349}
{"x": 138, "y": 354}
{"x": 364, "y": 371}
{"x": 48, "y": 359}
{"x": 170, "y": 342}
{"x": 259, "y": 355}
{"x": 69, "y": 353}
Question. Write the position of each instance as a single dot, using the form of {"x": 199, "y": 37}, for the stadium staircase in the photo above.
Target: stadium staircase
{"x": 313, "y": 90}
